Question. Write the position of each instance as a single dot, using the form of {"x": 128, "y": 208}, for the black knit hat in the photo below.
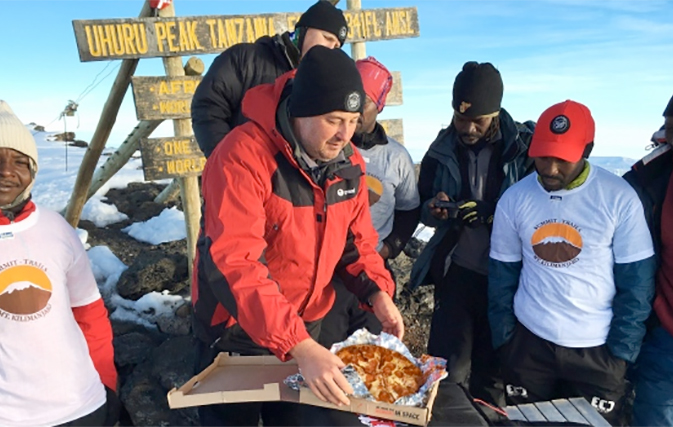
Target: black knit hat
{"x": 668, "y": 112}
{"x": 477, "y": 90}
{"x": 324, "y": 16}
{"x": 326, "y": 80}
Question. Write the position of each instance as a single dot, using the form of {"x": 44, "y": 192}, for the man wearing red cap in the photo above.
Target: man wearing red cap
{"x": 216, "y": 106}
{"x": 393, "y": 199}
{"x": 651, "y": 178}
{"x": 571, "y": 276}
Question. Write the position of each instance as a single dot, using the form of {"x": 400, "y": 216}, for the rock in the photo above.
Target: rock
{"x": 153, "y": 270}
{"x": 145, "y": 400}
{"x": 137, "y": 201}
{"x": 172, "y": 324}
{"x": 38, "y": 128}
{"x": 65, "y": 136}
{"x": 132, "y": 348}
{"x": 184, "y": 311}
{"x": 79, "y": 143}
{"x": 173, "y": 361}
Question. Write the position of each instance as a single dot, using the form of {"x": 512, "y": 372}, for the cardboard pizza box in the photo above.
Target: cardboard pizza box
{"x": 237, "y": 379}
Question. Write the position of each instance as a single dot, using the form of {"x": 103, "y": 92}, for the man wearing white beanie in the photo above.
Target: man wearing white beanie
{"x": 57, "y": 363}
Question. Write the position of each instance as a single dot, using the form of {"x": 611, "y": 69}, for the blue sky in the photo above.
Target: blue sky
{"x": 616, "y": 57}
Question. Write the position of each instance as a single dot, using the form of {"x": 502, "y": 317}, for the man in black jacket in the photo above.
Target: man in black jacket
{"x": 463, "y": 174}
{"x": 216, "y": 106}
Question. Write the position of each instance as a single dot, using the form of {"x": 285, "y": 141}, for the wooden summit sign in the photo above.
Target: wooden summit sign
{"x": 171, "y": 157}
{"x": 164, "y": 98}
{"x": 106, "y": 39}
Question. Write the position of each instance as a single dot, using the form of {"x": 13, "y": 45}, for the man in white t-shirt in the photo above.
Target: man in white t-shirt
{"x": 56, "y": 357}
{"x": 571, "y": 274}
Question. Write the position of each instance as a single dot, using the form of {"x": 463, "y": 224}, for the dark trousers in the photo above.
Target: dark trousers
{"x": 96, "y": 418}
{"x": 535, "y": 369}
{"x": 345, "y": 317}
{"x": 235, "y": 340}
{"x": 461, "y": 334}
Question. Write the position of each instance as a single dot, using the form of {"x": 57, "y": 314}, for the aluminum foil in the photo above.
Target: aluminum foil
{"x": 433, "y": 368}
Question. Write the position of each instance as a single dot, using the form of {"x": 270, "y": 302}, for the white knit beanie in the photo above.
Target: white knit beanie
{"x": 14, "y": 135}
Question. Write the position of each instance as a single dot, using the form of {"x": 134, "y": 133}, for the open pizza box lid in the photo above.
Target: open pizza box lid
{"x": 237, "y": 379}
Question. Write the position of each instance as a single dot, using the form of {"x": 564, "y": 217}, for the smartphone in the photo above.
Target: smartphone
{"x": 451, "y": 207}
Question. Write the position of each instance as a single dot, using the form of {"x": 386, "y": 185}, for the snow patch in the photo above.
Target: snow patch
{"x": 168, "y": 226}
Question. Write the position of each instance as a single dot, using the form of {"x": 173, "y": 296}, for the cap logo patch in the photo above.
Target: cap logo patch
{"x": 342, "y": 33}
{"x": 353, "y": 102}
{"x": 560, "y": 124}
{"x": 464, "y": 106}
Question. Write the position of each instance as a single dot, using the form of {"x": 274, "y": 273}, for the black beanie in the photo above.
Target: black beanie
{"x": 326, "y": 80}
{"x": 477, "y": 90}
{"x": 668, "y": 112}
{"x": 324, "y": 16}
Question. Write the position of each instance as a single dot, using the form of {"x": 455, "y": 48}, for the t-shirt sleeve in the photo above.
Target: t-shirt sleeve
{"x": 406, "y": 193}
{"x": 505, "y": 240}
{"x": 632, "y": 240}
{"x": 82, "y": 287}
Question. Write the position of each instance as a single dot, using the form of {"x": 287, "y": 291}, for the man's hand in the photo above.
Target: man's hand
{"x": 388, "y": 314}
{"x": 385, "y": 252}
{"x": 321, "y": 370}
{"x": 439, "y": 213}
{"x": 476, "y": 212}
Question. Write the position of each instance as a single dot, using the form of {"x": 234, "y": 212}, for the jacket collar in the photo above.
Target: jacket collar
{"x": 8, "y": 217}
{"x": 366, "y": 141}
{"x": 444, "y": 146}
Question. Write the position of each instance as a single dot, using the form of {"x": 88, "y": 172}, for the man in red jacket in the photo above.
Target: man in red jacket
{"x": 286, "y": 208}
{"x": 56, "y": 358}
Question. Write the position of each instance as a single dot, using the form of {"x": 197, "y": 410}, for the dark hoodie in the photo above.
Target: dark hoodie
{"x": 216, "y": 105}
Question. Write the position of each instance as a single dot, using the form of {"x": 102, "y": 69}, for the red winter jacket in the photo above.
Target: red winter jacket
{"x": 271, "y": 239}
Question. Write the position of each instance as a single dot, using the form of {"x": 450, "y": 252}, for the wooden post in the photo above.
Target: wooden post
{"x": 189, "y": 185}
{"x": 107, "y": 119}
{"x": 119, "y": 158}
{"x": 358, "y": 50}
{"x": 168, "y": 193}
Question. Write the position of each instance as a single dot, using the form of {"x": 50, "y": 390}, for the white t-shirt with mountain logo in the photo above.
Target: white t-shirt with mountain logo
{"x": 569, "y": 241}
{"x": 46, "y": 374}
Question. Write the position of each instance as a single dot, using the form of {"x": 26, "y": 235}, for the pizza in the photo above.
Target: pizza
{"x": 387, "y": 374}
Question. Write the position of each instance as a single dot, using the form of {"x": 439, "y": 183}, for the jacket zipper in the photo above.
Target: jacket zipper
{"x": 323, "y": 223}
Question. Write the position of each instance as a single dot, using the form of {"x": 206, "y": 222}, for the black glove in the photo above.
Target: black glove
{"x": 474, "y": 213}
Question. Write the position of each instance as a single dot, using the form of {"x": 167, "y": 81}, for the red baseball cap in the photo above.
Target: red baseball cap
{"x": 376, "y": 79}
{"x": 563, "y": 131}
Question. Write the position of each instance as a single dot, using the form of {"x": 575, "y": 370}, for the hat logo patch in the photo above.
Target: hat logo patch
{"x": 464, "y": 106}
{"x": 560, "y": 124}
{"x": 353, "y": 102}
{"x": 342, "y": 33}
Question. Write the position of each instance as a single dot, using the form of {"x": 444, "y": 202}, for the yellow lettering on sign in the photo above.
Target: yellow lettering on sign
{"x": 185, "y": 166}
{"x": 105, "y": 39}
{"x": 179, "y": 147}
{"x": 193, "y": 39}
{"x": 357, "y": 26}
{"x": 184, "y": 38}
{"x": 249, "y": 31}
{"x": 404, "y": 28}
{"x": 211, "y": 28}
{"x": 170, "y": 27}
{"x": 92, "y": 40}
{"x": 375, "y": 25}
{"x": 261, "y": 28}
{"x": 141, "y": 37}
{"x": 160, "y": 31}
{"x": 410, "y": 29}
{"x": 175, "y": 86}
{"x": 180, "y": 107}
{"x": 221, "y": 34}
{"x": 190, "y": 86}
{"x": 163, "y": 88}
{"x": 117, "y": 40}
{"x": 127, "y": 30}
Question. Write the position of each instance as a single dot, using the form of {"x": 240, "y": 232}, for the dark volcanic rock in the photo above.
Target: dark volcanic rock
{"x": 174, "y": 360}
{"x": 79, "y": 143}
{"x": 132, "y": 348}
{"x": 153, "y": 270}
{"x": 137, "y": 200}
